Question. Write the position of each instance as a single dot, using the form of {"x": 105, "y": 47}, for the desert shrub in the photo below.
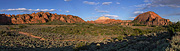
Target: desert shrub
{"x": 175, "y": 44}
{"x": 133, "y": 34}
{"x": 120, "y": 37}
{"x": 81, "y": 46}
{"x": 137, "y": 30}
{"x": 2, "y": 32}
{"x": 55, "y": 22}
{"x": 12, "y": 28}
{"x": 22, "y": 26}
{"x": 139, "y": 25}
{"x": 140, "y": 32}
{"x": 174, "y": 27}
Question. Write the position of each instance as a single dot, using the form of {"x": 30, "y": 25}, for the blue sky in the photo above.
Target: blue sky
{"x": 92, "y": 9}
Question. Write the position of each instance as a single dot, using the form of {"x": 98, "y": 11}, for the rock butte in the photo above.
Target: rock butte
{"x": 147, "y": 18}
{"x": 151, "y": 18}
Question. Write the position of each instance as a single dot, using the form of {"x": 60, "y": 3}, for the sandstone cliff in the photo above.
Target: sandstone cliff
{"x": 41, "y": 17}
{"x": 151, "y": 18}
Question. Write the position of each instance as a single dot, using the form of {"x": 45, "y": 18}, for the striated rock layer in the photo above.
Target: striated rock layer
{"x": 151, "y": 18}
{"x": 41, "y": 17}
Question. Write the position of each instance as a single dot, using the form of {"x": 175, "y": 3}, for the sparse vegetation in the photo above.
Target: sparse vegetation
{"x": 84, "y": 36}
{"x": 139, "y": 25}
{"x": 174, "y": 27}
{"x": 120, "y": 37}
{"x": 22, "y": 26}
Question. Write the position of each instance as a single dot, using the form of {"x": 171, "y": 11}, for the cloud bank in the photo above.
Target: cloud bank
{"x": 111, "y": 16}
{"x": 67, "y": 0}
{"x": 106, "y": 3}
{"x": 163, "y": 3}
{"x": 90, "y": 3}
{"x": 27, "y": 10}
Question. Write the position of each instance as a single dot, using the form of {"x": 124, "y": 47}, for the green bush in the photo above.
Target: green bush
{"x": 22, "y": 26}
{"x": 81, "y": 46}
{"x": 175, "y": 44}
{"x": 120, "y": 37}
{"x": 133, "y": 34}
{"x": 12, "y": 28}
{"x": 139, "y": 25}
{"x": 174, "y": 27}
{"x": 2, "y": 32}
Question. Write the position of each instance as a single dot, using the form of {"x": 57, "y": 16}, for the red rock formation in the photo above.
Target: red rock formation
{"x": 105, "y": 20}
{"x": 151, "y": 18}
{"x": 4, "y": 19}
{"x": 39, "y": 17}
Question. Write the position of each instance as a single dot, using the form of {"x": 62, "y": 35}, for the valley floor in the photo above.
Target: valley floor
{"x": 86, "y": 37}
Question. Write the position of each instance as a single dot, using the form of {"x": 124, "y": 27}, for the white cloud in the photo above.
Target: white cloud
{"x": 90, "y": 3}
{"x": 146, "y": 1}
{"x": 164, "y": 3}
{"x": 67, "y": 0}
{"x": 138, "y": 12}
{"x": 106, "y": 3}
{"x": 168, "y": 5}
{"x": 27, "y": 10}
{"x": 101, "y": 11}
{"x": 173, "y": 14}
{"x": 111, "y": 16}
{"x": 91, "y": 18}
{"x": 67, "y": 11}
{"x": 118, "y": 3}
{"x": 142, "y": 5}
{"x": 132, "y": 17}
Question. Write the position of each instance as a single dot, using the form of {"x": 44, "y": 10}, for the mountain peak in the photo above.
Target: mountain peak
{"x": 151, "y": 18}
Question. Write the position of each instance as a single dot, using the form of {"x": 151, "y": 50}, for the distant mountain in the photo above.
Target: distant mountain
{"x": 42, "y": 17}
{"x": 106, "y": 20}
{"x": 151, "y": 18}
{"x": 147, "y": 18}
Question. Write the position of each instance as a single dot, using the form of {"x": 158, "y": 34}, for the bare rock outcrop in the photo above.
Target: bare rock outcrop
{"x": 151, "y": 18}
{"x": 39, "y": 17}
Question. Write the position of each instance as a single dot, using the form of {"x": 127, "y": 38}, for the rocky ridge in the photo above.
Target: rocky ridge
{"x": 147, "y": 18}
{"x": 151, "y": 18}
{"x": 43, "y": 17}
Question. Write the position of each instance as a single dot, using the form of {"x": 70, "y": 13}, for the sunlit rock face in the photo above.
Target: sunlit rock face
{"x": 105, "y": 20}
{"x": 39, "y": 17}
{"x": 151, "y": 18}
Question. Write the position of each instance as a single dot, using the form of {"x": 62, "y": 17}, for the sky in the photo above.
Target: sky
{"x": 93, "y": 9}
